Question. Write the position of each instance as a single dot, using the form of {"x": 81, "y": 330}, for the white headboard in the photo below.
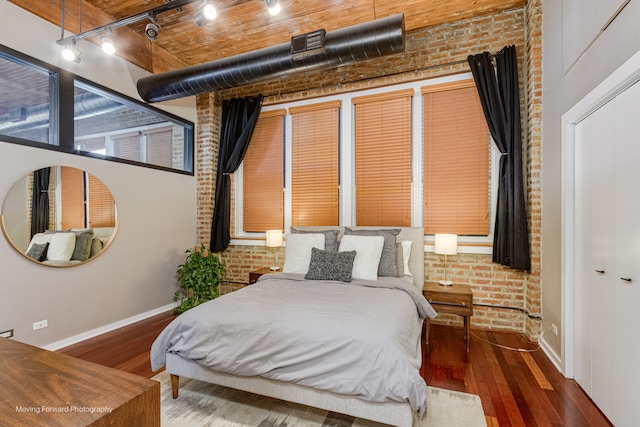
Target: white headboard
{"x": 415, "y": 234}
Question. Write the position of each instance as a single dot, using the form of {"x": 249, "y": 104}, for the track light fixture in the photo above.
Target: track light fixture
{"x": 273, "y": 6}
{"x": 71, "y": 53}
{"x": 107, "y": 46}
{"x": 151, "y": 31}
{"x": 206, "y": 13}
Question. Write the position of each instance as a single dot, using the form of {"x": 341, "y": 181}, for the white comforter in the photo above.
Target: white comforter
{"x": 360, "y": 338}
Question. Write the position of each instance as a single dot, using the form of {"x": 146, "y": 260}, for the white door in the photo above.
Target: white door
{"x": 607, "y": 257}
{"x": 595, "y": 201}
{"x": 626, "y": 281}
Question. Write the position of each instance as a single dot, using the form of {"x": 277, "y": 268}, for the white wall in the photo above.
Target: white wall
{"x": 157, "y": 212}
{"x": 563, "y": 87}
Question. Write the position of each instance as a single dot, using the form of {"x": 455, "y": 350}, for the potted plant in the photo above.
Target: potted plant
{"x": 199, "y": 278}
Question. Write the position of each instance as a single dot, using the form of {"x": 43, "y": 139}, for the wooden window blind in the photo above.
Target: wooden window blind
{"x": 127, "y": 146}
{"x": 314, "y": 158}
{"x": 80, "y": 201}
{"x": 72, "y": 197}
{"x": 263, "y": 177}
{"x": 383, "y": 158}
{"x": 159, "y": 147}
{"x": 102, "y": 208}
{"x": 456, "y": 160}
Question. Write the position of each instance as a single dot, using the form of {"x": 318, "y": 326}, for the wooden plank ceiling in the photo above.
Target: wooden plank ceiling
{"x": 241, "y": 25}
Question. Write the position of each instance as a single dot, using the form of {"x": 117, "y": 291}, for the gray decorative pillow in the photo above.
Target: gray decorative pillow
{"x": 82, "y": 249}
{"x": 96, "y": 246}
{"x": 387, "y": 266}
{"x": 330, "y": 237}
{"x": 330, "y": 265}
{"x": 38, "y": 251}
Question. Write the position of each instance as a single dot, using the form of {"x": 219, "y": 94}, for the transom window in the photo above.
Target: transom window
{"x": 47, "y": 108}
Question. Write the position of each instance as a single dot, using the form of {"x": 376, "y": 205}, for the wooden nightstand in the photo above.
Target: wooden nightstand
{"x": 455, "y": 299}
{"x": 255, "y": 275}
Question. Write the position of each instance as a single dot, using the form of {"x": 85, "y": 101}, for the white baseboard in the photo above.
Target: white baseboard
{"x": 107, "y": 328}
{"x": 552, "y": 355}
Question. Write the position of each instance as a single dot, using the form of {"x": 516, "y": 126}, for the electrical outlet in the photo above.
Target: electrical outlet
{"x": 6, "y": 334}
{"x": 554, "y": 329}
{"x": 41, "y": 324}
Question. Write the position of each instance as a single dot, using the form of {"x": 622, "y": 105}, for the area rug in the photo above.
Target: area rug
{"x": 206, "y": 405}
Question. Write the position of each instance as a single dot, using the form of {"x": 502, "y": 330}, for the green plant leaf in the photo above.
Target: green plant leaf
{"x": 198, "y": 278}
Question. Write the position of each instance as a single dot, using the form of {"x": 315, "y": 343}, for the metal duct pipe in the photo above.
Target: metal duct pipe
{"x": 344, "y": 46}
{"x": 85, "y": 105}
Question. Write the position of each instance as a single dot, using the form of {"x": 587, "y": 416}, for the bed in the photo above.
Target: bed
{"x": 348, "y": 345}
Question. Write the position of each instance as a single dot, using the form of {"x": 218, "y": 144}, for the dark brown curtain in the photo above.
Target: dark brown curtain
{"x": 40, "y": 201}
{"x": 239, "y": 118}
{"x": 499, "y": 95}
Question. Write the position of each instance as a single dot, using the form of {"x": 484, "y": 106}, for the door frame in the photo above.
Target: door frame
{"x": 620, "y": 80}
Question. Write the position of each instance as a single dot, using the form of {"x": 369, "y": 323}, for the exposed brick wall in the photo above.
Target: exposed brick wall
{"x": 245, "y": 259}
{"x": 534, "y": 161}
{"x": 206, "y": 161}
{"x": 177, "y": 147}
{"x": 429, "y": 52}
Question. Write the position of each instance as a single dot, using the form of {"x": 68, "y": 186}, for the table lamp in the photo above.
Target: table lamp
{"x": 446, "y": 244}
{"x": 274, "y": 241}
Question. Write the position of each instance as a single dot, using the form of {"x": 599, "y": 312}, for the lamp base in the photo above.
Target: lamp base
{"x": 274, "y": 268}
{"x": 445, "y": 282}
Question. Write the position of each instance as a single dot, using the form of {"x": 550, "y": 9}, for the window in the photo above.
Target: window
{"x": 101, "y": 206}
{"x": 263, "y": 167}
{"x": 417, "y": 154}
{"x": 85, "y": 201}
{"x": 456, "y": 160}
{"x": 383, "y": 159}
{"x": 27, "y": 97}
{"x": 314, "y": 171}
{"x": 72, "y": 196}
{"x": 120, "y": 129}
{"x": 44, "y": 107}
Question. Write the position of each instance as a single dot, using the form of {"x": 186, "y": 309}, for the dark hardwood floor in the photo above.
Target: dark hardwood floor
{"x": 126, "y": 348}
{"x": 516, "y": 388}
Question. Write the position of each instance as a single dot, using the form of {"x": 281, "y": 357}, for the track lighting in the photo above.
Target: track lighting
{"x": 71, "y": 53}
{"x": 107, "y": 46}
{"x": 205, "y": 14}
{"x": 273, "y": 6}
{"x": 151, "y": 31}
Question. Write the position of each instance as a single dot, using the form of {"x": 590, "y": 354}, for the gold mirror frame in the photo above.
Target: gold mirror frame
{"x": 22, "y": 189}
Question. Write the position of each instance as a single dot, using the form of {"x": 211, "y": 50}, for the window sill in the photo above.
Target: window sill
{"x": 473, "y": 248}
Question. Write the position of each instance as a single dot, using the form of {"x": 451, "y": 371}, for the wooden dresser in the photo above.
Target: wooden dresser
{"x": 42, "y": 388}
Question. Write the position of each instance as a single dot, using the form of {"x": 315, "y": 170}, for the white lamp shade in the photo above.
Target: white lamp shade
{"x": 274, "y": 238}
{"x": 446, "y": 244}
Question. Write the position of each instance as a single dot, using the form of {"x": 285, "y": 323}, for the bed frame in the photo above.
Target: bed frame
{"x": 393, "y": 413}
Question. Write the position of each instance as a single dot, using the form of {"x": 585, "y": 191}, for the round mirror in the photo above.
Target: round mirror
{"x": 59, "y": 216}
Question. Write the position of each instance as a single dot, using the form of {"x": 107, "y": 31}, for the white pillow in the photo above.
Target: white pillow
{"x": 297, "y": 251}
{"x": 61, "y": 246}
{"x": 368, "y": 251}
{"x": 39, "y": 238}
{"x": 406, "y": 253}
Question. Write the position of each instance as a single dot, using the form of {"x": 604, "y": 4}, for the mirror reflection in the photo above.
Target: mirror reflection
{"x": 59, "y": 216}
